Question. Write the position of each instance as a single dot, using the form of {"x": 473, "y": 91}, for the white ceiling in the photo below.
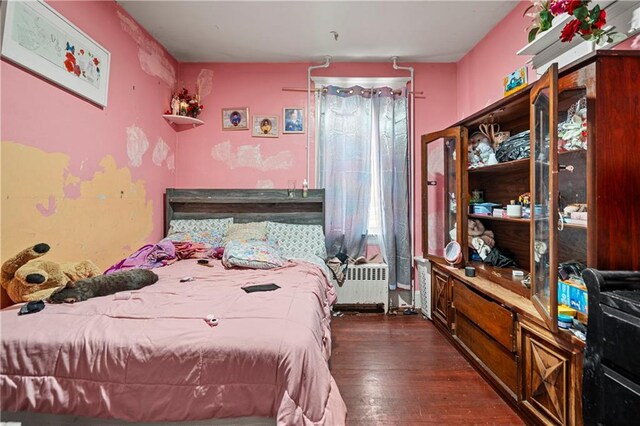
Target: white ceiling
{"x": 299, "y": 31}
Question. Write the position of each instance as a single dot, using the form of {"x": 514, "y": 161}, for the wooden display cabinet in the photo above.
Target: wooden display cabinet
{"x": 596, "y": 168}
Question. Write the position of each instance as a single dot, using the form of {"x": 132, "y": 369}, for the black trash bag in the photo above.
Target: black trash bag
{"x": 497, "y": 258}
{"x": 516, "y": 147}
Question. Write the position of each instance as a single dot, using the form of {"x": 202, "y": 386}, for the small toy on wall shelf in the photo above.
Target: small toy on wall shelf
{"x": 182, "y": 103}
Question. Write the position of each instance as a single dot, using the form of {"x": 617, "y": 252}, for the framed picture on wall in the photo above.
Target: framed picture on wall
{"x": 265, "y": 126}
{"x": 293, "y": 120}
{"x": 41, "y": 40}
{"x": 235, "y": 118}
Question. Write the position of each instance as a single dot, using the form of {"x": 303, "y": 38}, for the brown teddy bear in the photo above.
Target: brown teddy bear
{"x": 26, "y": 280}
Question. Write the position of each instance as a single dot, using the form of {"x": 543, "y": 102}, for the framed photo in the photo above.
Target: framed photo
{"x": 38, "y": 38}
{"x": 515, "y": 81}
{"x": 293, "y": 120}
{"x": 265, "y": 126}
{"x": 235, "y": 118}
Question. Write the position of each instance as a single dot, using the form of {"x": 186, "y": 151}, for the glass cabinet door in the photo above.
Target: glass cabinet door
{"x": 440, "y": 205}
{"x": 544, "y": 262}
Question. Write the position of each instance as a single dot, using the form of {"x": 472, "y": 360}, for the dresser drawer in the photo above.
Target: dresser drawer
{"x": 495, "y": 320}
{"x": 497, "y": 362}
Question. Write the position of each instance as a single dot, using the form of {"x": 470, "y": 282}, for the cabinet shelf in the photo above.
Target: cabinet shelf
{"x": 503, "y": 277}
{"x": 500, "y": 218}
{"x": 181, "y": 119}
{"x": 509, "y": 166}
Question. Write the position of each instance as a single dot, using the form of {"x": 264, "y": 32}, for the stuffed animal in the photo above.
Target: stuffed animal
{"x": 27, "y": 280}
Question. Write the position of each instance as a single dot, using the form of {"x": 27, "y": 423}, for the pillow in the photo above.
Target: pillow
{"x": 246, "y": 231}
{"x": 253, "y": 254}
{"x": 208, "y": 231}
{"x": 298, "y": 239}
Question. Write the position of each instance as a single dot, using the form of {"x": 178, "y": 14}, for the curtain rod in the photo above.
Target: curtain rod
{"x": 324, "y": 90}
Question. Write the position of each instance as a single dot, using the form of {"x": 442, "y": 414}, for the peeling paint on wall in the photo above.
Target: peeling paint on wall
{"x": 264, "y": 184}
{"x": 250, "y": 156}
{"x": 110, "y": 215}
{"x": 204, "y": 83}
{"x": 137, "y": 145}
{"x": 171, "y": 162}
{"x": 160, "y": 152}
{"x": 50, "y": 209}
{"x": 150, "y": 54}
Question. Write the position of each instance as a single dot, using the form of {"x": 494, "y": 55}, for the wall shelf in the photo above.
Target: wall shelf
{"x": 182, "y": 120}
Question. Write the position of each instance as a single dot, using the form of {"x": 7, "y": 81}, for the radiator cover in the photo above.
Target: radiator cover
{"x": 365, "y": 285}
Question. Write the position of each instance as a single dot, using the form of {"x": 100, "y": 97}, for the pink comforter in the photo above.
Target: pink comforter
{"x": 153, "y": 357}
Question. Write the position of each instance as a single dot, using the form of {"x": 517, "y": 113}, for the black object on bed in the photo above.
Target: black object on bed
{"x": 260, "y": 287}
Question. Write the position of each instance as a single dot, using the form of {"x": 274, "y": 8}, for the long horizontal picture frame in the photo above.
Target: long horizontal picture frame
{"x": 38, "y": 38}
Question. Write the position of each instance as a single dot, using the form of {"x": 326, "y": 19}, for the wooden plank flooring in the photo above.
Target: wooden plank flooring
{"x": 399, "y": 370}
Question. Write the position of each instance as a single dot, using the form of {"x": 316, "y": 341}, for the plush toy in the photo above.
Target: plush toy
{"x": 26, "y": 280}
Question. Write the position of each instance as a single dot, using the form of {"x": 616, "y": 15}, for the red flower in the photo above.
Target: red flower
{"x": 573, "y": 5}
{"x": 76, "y": 70}
{"x": 201, "y": 106}
{"x": 570, "y": 30}
{"x": 70, "y": 57}
{"x": 68, "y": 65}
{"x": 558, "y": 7}
{"x": 96, "y": 61}
{"x": 82, "y": 51}
{"x": 601, "y": 20}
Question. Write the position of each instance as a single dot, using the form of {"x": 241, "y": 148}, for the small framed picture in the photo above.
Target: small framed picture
{"x": 265, "y": 126}
{"x": 235, "y": 118}
{"x": 515, "y": 81}
{"x": 293, "y": 120}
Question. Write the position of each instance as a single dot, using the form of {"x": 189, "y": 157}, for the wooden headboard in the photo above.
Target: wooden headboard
{"x": 244, "y": 205}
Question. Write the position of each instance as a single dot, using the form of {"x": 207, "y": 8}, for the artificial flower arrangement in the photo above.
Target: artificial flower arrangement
{"x": 587, "y": 23}
{"x": 185, "y": 104}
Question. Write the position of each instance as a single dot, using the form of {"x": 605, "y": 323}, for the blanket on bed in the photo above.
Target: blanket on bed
{"x": 154, "y": 358}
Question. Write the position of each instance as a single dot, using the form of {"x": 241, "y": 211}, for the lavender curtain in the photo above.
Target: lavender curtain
{"x": 390, "y": 124}
{"x": 344, "y": 167}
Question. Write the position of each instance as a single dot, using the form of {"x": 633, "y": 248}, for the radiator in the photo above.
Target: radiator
{"x": 365, "y": 285}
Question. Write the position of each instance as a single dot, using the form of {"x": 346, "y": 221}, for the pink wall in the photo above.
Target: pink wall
{"x": 207, "y": 156}
{"x": 481, "y": 70}
{"x": 44, "y": 121}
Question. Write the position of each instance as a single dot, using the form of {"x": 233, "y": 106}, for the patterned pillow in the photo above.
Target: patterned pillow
{"x": 208, "y": 231}
{"x": 298, "y": 239}
{"x": 246, "y": 231}
{"x": 253, "y": 254}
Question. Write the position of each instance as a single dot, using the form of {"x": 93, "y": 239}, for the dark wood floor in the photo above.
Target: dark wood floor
{"x": 399, "y": 370}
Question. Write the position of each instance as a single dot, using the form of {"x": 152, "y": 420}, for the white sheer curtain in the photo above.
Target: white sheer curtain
{"x": 363, "y": 165}
{"x": 391, "y": 130}
{"x": 344, "y": 167}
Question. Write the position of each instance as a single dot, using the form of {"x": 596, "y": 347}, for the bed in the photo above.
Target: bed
{"x": 153, "y": 358}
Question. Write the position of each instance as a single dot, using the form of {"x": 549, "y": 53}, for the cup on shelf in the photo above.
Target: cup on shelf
{"x": 514, "y": 210}
{"x": 291, "y": 188}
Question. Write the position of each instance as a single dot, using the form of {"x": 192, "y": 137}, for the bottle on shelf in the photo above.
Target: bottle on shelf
{"x": 305, "y": 188}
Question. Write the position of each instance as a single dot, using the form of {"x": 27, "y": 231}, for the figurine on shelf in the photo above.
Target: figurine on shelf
{"x": 175, "y": 105}
{"x": 480, "y": 152}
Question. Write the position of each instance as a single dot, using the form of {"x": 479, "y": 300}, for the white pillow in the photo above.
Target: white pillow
{"x": 298, "y": 239}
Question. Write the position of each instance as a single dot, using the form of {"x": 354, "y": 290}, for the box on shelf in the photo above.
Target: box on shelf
{"x": 573, "y": 295}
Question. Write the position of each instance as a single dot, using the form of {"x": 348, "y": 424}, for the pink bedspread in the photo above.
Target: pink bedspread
{"x": 153, "y": 357}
